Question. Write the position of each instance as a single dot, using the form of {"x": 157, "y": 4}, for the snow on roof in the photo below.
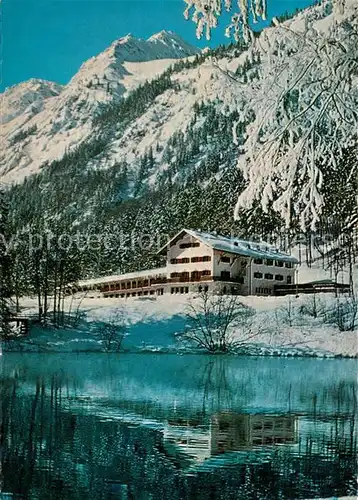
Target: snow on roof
{"x": 119, "y": 277}
{"x": 259, "y": 250}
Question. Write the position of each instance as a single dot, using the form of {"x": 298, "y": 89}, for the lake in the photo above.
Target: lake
{"x": 156, "y": 426}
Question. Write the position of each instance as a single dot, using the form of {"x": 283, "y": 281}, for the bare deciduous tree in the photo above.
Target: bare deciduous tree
{"x": 314, "y": 306}
{"x": 345, "y": 314}
{"x": 220, "y": 323}
{"x": 113, "y": 331}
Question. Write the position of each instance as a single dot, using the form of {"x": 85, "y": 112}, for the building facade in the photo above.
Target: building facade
{"x": 197, "y": 261}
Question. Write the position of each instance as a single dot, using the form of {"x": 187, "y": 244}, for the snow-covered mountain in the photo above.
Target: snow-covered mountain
{"x": 27, "y": 98}
{"x": 59, "y": 124}
{"x": 41, "y": 120}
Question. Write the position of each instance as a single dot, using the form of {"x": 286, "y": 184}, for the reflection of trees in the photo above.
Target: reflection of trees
{"x": 340, "y": 398}
{"x": 51, "y": 451}
{"x": 33, "y": 431}
{"x": 219, "y": 389}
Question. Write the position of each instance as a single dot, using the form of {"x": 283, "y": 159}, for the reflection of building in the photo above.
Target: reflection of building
{"x": 227, "y": 431}
{"x": 234, "y": 432}
{"x": 193, "y": 442}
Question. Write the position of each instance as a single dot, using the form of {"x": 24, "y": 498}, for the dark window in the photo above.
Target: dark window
{"x": 184, "y": 260}
{"x": 189, "y": 245}
{"x": 225, "y": 275}
{"x": 258, "y": 261}
{"x": 269, "y": 262}
{"x": 186, "y": 289}
{"x": 268, "y": 276}
{"x": 225, "y": 259}
{"x": 206, "y": 258}
{"x": 279, "y": 277}
{"x": 289, "y": 280}
{"x": 289, "y": 265}
{"x": 207, "y": 272}
{"x": 172, "y": 290}
{"x": 258, "y": 275}
{"x": 279, "y": 263}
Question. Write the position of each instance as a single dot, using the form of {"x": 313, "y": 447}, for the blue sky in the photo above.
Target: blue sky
{"x": 51, "y": 39}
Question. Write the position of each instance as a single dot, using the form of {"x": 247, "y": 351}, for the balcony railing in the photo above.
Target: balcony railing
{"x": 162, "y": 281}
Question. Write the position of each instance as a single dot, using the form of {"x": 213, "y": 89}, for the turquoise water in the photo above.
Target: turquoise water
{"x": 145, "y": 426}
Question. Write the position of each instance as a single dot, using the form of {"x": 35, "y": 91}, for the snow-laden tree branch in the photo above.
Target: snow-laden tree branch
{"x": 206, "y": 13}
{"x": 306, "y": 115}
{"x": 305, "y": 103}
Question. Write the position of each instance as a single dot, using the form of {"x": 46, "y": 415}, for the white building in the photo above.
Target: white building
{"x": 199, "y": 261}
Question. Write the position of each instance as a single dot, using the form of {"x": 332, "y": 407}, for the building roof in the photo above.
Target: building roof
{"x": 128, "y": 276}
{"x": 259, "y": 250}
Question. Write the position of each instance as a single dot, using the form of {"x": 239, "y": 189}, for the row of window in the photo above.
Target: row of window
{"x": 269, "y": 276}
{"x": 194, "y": 274}
{"x": 186, "y": 260}
{"x": 159, "y": 291}
{"x": 182, "y": 289}
{"x": 185, "y": 289}
{"x": 271, "y": 262}
{"x": 189, "y": 245}
{"x": 264, "y": 291}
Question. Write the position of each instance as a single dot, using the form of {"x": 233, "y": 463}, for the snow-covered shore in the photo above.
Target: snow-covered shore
{"x": 156, "y": 324}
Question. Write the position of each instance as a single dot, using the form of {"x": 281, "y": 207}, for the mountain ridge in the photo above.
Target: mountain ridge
{"x": 127, "y": 63}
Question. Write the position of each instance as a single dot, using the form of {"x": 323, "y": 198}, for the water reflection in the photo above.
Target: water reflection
{"x": 143, "y": 426}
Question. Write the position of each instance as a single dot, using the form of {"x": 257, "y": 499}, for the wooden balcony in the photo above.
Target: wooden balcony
{"x": 125, "y": 287}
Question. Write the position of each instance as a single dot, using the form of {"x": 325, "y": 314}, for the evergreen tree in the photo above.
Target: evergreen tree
{"x": 5, "y": 267}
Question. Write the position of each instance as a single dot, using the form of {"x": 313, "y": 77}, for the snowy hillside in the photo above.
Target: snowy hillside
{"x": 157, "y": 324}
{"x": 37, "y": 129}
{"x": 61, "y": 124}
{"x": 58, "y": 125}
{"x": 27, "y": 99}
